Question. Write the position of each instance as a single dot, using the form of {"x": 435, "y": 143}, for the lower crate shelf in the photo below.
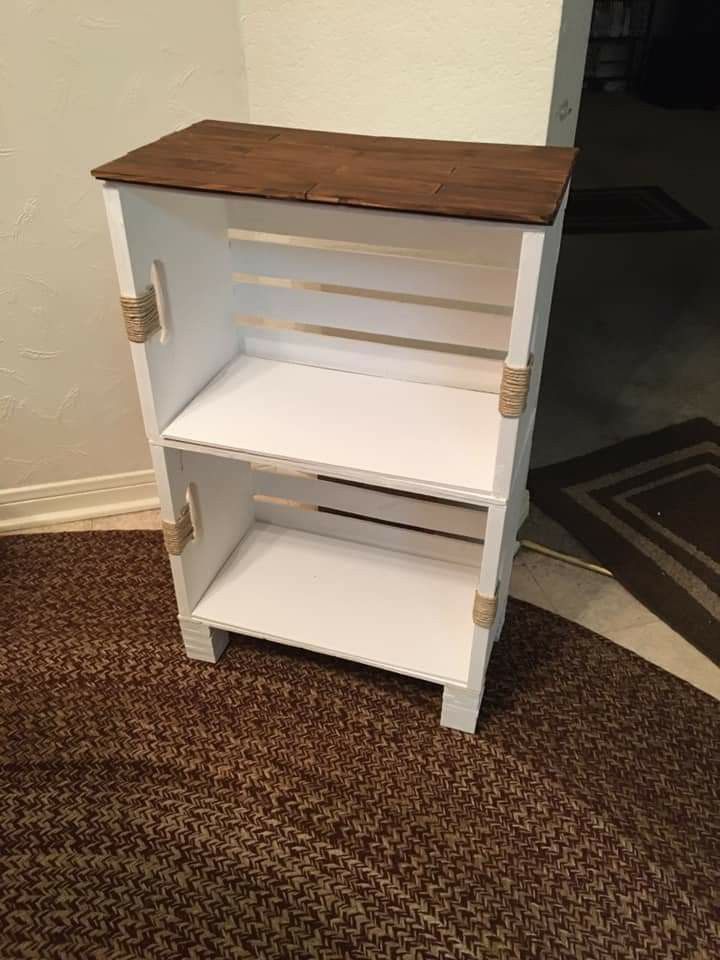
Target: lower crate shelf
{"x": 394, "y": 610}
{"x": 421, "y": 437}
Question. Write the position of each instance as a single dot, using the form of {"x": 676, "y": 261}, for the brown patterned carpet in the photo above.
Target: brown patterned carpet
{"x": 282, "y": 805}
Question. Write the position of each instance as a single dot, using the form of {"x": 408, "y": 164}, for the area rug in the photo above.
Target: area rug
{"x": 649, "y": 509}
{"x": 627, "y": 210}
{"x": 285, "y": 805}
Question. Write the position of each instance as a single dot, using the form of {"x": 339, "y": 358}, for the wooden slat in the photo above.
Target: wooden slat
{"x": 478, "y": 329}
{"x": 383, "y": 535}
{"x": 384, "y": 505}
{"x": 455, "y": 281}
{"x": 493, "y": 244}
{"x": 376, "y": 359}
{"x": 482, "y": 254}
{"x": 522, "y": 184}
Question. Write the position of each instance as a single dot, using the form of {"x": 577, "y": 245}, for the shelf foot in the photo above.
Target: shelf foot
{"x": 202, "y": 642}
{"x": 460, "y": 708}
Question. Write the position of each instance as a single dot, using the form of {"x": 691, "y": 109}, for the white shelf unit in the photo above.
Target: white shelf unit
{"x": 322, "y": 400}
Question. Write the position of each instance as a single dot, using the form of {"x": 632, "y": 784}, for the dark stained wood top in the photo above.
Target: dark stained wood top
{"x": 483, "y": 181}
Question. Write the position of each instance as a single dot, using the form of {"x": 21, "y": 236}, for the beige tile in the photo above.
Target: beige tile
{"x": 602, "y": 605}
{"x": 75, "y": 526}
{"x": 524, "y": 586}
{"x": 142, "y": 520}
{"x": 595, "y": 601}
{"x": 658, "y": 643}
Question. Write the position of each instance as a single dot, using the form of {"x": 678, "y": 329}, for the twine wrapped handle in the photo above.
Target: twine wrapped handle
{"x": 178, "y": 533}
{"x": 484, "y": 609}
{"x": 141, "y": 315}
{"x": 514, "y": 388}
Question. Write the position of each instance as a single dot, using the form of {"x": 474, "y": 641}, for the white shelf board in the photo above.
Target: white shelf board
{"x": 420, "y": 437}
{"x": 394, "y": 610}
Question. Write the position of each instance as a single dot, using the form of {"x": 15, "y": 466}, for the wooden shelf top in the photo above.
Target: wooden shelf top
{"x": 480, "y": 181}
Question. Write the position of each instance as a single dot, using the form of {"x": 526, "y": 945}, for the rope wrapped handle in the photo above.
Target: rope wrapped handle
{"x": 147, "y": 314}
{"x": 514, "y": 388}
{"x": 141, "y": 315}
{"x": 178, "y": 533}
{"x": 484, "y": 609}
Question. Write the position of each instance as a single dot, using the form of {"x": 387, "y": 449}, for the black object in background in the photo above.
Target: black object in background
{"x": 681, "y": 68}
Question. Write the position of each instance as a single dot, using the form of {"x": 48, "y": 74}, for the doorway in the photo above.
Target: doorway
{"x": 625, "y": 472}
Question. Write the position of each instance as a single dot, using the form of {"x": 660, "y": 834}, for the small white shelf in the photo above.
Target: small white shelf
{"x": 393, "y": 610}
{"x": 356, "y": 346}
{"x": 421, "y": 437}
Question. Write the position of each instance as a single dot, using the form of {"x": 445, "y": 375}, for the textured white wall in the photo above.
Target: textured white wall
{"x": 83, "y": 81}
{"x": 465, "y": 69}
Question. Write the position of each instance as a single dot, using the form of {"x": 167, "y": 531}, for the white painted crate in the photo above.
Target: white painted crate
{"x": 363, "y": 347}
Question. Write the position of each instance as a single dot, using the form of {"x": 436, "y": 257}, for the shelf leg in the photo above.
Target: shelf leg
{"x": 501, "y": 545}
{"x": 202, "y": 642}
{"x": 502, "y": 594}
{"x": 460, "y": 708}
{"x": 500, "y": 621}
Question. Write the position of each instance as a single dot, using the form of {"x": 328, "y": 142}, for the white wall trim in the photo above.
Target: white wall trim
{"x": 82, "y": 499}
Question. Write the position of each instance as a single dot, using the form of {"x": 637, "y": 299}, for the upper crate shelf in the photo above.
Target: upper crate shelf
{"x": 420, "y": 437}
{"x": 478, "y": 181}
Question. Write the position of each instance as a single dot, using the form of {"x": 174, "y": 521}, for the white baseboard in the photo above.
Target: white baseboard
{"x": 70, "y": 500}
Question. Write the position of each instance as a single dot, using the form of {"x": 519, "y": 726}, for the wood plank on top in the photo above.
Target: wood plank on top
{"x": 482, "y": 181}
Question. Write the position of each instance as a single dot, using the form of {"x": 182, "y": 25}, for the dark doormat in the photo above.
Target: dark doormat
{"x": 649, "y": 509}
{"x": 627, "y": 210}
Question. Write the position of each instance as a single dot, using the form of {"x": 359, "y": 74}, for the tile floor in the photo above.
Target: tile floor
{"x": 602, "y": 605}
{"x": 595, "y": 601}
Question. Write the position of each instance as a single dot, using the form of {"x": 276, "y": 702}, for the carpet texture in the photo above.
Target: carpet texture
{"x": 627, "y": 210}
{"x": 285, "y": 805}
{"x": 649, "y": 509}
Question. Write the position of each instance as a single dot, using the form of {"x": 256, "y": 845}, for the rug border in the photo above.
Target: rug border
{"x": 546, "y": 486}
{"x": 692, "y": 220}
